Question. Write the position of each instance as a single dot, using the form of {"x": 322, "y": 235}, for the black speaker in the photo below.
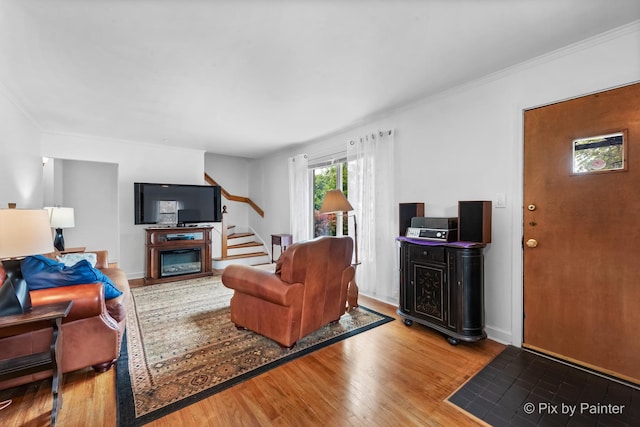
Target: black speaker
{"x": 406, "y": 211}
{"x": 474, "y": 221}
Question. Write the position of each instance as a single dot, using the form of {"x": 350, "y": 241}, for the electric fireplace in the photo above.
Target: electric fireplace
{"x": 177, "y": 252}
{"x": 177, "y": 262}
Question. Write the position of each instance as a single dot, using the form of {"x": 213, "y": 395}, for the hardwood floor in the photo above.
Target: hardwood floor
{"x": 389, "y": 376}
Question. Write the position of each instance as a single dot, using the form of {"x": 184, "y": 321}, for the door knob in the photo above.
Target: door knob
{"x": 532, "y": 243}
{"x": 531, "y": 207}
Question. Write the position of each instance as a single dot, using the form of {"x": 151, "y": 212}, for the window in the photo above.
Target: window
{"x": 599, "y": 153}
{"x": 325, "y": 178}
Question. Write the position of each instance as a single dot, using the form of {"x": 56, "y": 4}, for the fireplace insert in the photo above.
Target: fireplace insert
{"x": 177, "y": 262}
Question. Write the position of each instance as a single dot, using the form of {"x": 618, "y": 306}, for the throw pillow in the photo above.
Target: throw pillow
{"x": 72, "y": 259}
{"x": 42, "y": 273}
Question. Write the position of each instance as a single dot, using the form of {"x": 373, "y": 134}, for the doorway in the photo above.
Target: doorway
{"x": 582, "y": 229}
{"x": 91, "y": 188}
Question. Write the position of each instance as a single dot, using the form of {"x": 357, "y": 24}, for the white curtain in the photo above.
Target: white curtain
{"x": 299, "y": 198}
{"x": 370, "y": 191}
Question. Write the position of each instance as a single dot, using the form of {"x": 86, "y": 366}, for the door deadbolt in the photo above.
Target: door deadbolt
{"x": 531, "y": 207}
{"x": 532, "y": 243}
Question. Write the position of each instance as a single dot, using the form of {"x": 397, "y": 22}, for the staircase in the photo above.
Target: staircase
{"x": 242, "y": 248}
{"x": 238, "y": 247}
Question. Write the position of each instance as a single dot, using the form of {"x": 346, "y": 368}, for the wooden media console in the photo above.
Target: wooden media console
{"x": 177, "y": 253}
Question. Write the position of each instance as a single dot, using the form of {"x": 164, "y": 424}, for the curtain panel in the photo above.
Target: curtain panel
{"x": 300, "y": 214}
{"x": 370, "y": 192}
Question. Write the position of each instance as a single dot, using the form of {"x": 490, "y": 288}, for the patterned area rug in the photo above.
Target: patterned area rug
{"x": 181, "y": 347}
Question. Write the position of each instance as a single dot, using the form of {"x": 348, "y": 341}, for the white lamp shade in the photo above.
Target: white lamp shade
{"x": 61, "y": 217}
{"x": 24, "y": 232}
{"x": 335, "y": 201}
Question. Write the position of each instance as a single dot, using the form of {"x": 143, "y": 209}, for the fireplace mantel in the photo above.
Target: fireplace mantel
{"x": 169, "y": 240}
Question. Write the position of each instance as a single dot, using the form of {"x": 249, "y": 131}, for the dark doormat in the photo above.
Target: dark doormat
{"x": 522, "y": 388}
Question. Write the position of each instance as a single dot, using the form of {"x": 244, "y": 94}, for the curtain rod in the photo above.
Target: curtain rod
{"x": 373, "y": 135}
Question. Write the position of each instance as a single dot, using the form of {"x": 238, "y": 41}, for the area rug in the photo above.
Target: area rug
{"x": 523, "y": 388}
{"x": 181, "y": 347}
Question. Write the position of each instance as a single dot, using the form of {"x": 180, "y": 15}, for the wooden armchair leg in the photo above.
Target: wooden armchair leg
{"x": 104, "y": 367}
{"x": 352, "y": 295}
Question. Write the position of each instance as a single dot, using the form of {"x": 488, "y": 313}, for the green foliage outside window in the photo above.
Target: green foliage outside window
{"x": 324, "y": 179}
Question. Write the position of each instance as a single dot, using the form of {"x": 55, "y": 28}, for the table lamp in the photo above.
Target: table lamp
{"x": 335, "y": 201}
{"x": 23, "y": 232}
{"x": 60, "y": 218}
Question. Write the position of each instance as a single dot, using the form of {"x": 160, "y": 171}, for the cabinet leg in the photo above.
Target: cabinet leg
{"x": 453, "y": 341}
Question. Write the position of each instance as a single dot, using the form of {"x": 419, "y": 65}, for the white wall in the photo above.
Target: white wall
{"x": 21, "y": 169}
{"x": 137, "y": 162}
{"x": 52, "y": 175}
{"x": 91, "y": 189}
{"x": 269, "y": 188}
{"x": 232, "y": 173}
{"x": 466, "y": 144}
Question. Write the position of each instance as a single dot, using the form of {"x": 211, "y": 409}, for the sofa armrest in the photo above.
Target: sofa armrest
{"x": 102, "y": 258}
{"x": 117, "y": 306}
{"x": 88, "y": 300}
{"x": 261, "y": 284}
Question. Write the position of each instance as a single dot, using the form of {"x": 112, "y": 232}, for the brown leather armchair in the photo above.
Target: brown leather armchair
{"x": 92, "y": 332}
{"x": 307, "y": 291}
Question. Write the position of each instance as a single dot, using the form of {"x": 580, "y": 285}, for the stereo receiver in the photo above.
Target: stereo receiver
{"x": 433, "y": 234}
{"x": 437, "y": 229}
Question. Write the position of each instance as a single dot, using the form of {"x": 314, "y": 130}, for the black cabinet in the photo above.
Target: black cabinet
{"x": 442, "y": 287}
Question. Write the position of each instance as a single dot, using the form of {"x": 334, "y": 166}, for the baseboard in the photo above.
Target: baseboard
{"x": 499, "y": 335}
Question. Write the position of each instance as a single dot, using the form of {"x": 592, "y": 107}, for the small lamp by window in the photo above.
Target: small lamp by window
{"x": 23, "y": 232}
{"x": 335, "y": 201}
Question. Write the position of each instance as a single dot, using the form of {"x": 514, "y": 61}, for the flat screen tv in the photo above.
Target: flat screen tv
{"x": 176, "y": 204}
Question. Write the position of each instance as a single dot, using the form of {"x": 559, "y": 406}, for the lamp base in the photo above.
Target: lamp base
{"x": 14, "y": 292}
{"x": 58, "y": 241}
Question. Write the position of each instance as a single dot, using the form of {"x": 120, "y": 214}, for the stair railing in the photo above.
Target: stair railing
{"x": 223, "y": 233}
{"x": 232, "y": 197}
{"x": 228, "y": 196}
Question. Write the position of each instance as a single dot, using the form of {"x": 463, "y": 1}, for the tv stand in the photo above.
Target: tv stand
{"x": 177, "y": 253}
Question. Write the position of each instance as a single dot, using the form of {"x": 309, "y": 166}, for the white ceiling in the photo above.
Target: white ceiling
{"x": 244, "y": 78}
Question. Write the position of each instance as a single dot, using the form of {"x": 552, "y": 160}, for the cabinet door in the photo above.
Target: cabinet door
{"x": 429, "y": 283}
{"x": 454, "y": 321}
{"x": 469, "y": 283}
{"x": 406, "y": 294}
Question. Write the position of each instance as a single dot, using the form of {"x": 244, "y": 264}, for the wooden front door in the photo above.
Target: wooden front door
{"x": 582, "y": 234}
